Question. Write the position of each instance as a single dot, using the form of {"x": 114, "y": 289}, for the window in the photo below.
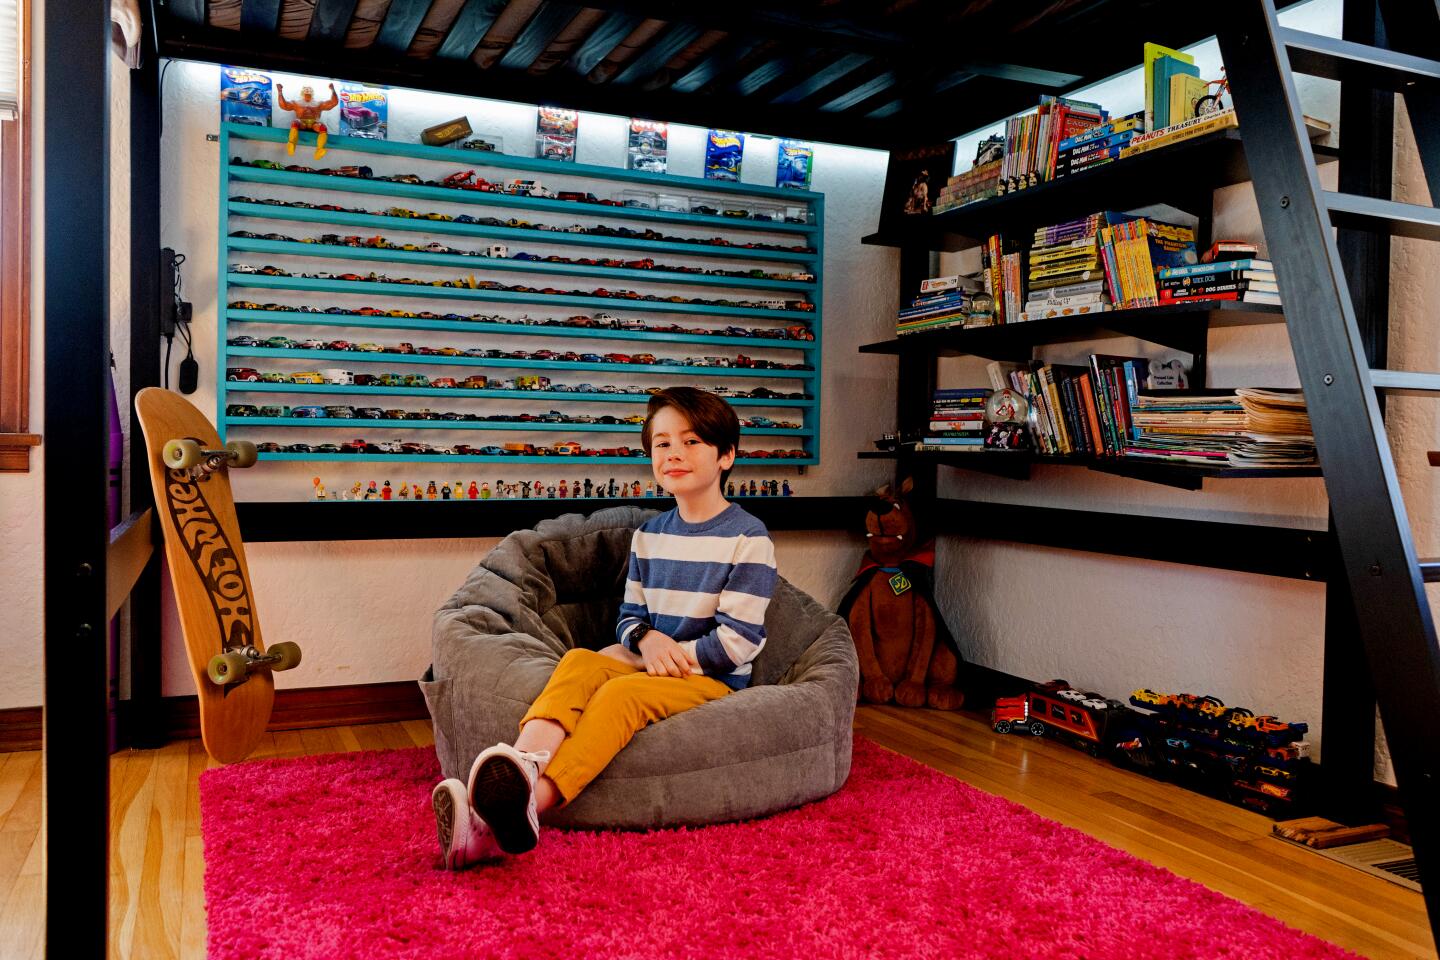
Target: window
{"x": 15, "y": 441}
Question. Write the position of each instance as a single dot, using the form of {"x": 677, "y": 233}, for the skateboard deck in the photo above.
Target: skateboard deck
{"x": 209, "y": 574}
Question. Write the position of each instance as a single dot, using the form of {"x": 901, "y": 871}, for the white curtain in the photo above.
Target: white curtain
{"x": 9, "y": 59}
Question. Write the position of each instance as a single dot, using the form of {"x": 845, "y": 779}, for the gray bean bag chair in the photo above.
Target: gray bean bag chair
{"x": 783, "y": 741}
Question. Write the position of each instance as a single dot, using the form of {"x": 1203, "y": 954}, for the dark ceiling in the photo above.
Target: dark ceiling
{"x": 877, "y": 73}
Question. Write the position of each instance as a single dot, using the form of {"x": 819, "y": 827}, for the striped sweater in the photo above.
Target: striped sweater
{"x": 704, "y": 584}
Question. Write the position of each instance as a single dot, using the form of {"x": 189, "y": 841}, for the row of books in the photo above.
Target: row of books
{"x": 1248, "y": 427}
{"x": 957, "y": 420}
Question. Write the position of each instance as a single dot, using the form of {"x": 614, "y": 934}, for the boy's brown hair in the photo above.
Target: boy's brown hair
{"x": 712, "y": 419}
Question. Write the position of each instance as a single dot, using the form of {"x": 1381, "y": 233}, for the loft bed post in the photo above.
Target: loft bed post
{"x": 77, "y": 340}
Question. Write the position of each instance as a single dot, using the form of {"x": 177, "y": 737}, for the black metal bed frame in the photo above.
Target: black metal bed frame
{"x": 76, "y": 357}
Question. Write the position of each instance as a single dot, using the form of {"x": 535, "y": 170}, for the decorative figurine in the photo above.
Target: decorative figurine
{"x": 431, "y": 492}
{"x": 307, "y": 116}
{"x": 319, "y": 488}
{"x": 564, "y": 490}
{"x": 385, "y": 492}
{"x": 730, "y": 488}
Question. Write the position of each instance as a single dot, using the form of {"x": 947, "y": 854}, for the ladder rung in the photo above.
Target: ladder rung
{"x": 1404, "y": 383}
{"x": 1383, "y": 216}
{"x": 1336, "y": 59}
{"x": 1430, "y": 569}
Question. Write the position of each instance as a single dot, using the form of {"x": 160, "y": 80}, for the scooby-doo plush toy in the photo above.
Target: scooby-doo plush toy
{"x": 906, "y": 654}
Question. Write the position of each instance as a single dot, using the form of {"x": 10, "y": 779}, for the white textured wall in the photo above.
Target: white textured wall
{"x": 363, "y": 610}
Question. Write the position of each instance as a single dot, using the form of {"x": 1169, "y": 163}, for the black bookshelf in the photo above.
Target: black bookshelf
{"x": 302, "y": 520}
{"x": 1017, "y": 464}
{"x": 1173, "y": 326}
{"x": 1175, "y": 174}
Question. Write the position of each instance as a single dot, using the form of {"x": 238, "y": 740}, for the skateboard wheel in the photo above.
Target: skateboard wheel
{"x": 182, "y": 454}
{"x": 242, "y": 453}
{"x": 289, "y": 654}
{"x": 227, "y": 668}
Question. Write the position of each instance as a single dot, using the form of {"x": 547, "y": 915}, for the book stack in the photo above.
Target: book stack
{"x": 1251, "y": 280}
{"x": 1081, "y": 410}
{"x": 1097, "y": 146}
{"x": 942, "y": 302}
{"x": 980, "y": 182}
{"x": 1248, "y": 427}
{"x": 1178, "y": 132}
{"x": 1066, "y": 277}
{"x": 1132, "y": 251}
{"x": 957, "y": 421}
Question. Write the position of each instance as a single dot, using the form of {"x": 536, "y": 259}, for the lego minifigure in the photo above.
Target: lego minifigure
{"x": 385, "y": 492}
{"x": 564, "y": 490}
{"x": 431, "y": 492}
{"x": 319, "y": 486}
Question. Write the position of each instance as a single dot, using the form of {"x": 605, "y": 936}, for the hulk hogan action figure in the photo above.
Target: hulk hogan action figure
{"x": 307, "y": 116}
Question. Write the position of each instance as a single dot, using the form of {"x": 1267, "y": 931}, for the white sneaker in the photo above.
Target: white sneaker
{"x": 502, "y": 793}
{"x": 464, "y": 838}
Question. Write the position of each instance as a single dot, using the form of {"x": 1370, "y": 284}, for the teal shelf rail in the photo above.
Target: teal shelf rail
{"x": 554, "y": 460}
{"x": 507, "y": 296}
{"x": 479, "y": 160}
{"x": 466, "y": 262}
{"x": 386, "y": 223}
{"x": 407, "y": 359}
{"x": 559, "y": 216}
{"x": 412, "y": 192}
{"x": 236, "y": 315}
{"x": 533, "y": 395}
{"x": 479, "y": 425}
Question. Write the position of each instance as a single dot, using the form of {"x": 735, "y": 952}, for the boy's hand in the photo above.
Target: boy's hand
{"x": 663, "y": 656}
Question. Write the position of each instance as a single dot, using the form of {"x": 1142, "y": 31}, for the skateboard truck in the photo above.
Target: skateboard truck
{"x": 234, "y": 665}
{"x": 187, "y": 454}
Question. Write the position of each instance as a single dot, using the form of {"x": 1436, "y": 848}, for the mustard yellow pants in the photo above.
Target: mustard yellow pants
{"x": 602, "y": 703}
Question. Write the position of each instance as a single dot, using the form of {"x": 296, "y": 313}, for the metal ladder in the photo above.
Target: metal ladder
{"x": 1386, "y": 579}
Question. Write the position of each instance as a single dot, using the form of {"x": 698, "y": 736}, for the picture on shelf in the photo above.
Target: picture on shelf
{"x": 648, "y": 147}
{"x": 364, "y": 111}
{"x": 794, "y": 165}
{"x": 724, "y": 153}
{"x": 245, "y": 96}
{"x": 556, "y": 130}
{"x": 913, "y": 181}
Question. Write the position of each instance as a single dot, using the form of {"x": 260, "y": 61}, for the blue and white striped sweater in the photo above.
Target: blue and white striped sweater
{"x": 707, "y": 585}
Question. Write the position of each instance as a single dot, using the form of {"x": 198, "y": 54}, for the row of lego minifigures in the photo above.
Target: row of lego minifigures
{"x": 522, "y": 490}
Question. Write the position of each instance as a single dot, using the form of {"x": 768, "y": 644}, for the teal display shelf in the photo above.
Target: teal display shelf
{"x": 426, "y": 291}
{"x": 479, "y": 425}
{"x": 507, "y": 329}
{"x": 337, "y": 252}
{"x": 606, "y": 183}
{"x": 538, "y": 395}
{"x": 481, "y": 160}
{"x": 383, "y": 223}
{"x": 413, "y": 192}
{"x": 407, "y": 359}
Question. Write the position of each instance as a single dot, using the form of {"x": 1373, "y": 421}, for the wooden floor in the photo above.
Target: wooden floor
{"x": 157, "y": 867}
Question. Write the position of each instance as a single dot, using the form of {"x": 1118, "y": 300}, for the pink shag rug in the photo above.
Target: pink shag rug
{"x": 336, "y": 856}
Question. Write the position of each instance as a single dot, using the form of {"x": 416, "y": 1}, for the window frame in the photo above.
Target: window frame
{"x": 15, "y": 439}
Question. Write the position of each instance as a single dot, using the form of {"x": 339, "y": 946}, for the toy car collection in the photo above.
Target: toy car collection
{"x": 1259, "y": 762}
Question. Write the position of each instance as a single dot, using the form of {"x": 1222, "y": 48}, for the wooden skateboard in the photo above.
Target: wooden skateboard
{"x": 195, "y": 509}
